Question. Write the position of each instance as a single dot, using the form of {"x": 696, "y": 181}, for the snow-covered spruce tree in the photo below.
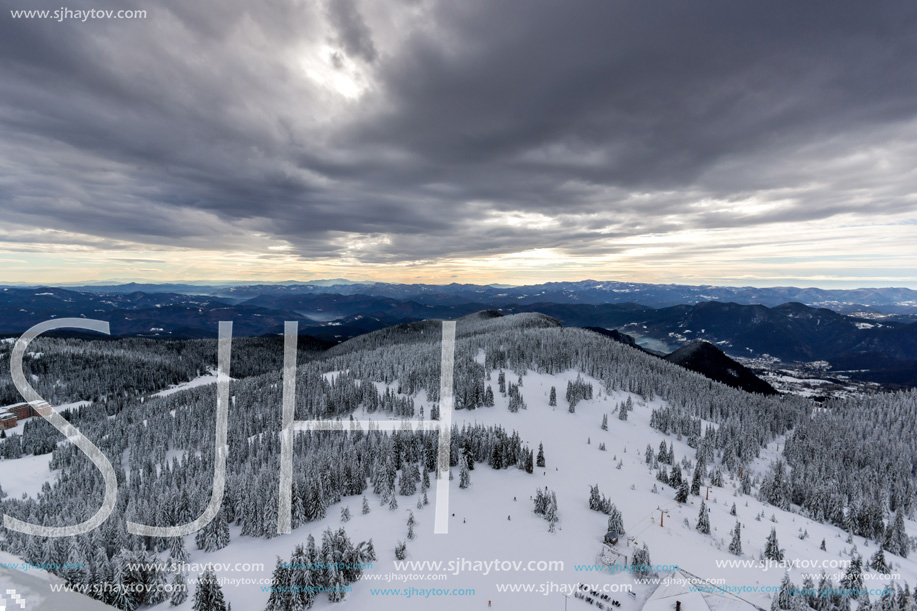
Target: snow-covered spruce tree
{"x": 681, "y": 496}
{"x": 552, "y": 400}
{"x": 464, "y": 477}
{"x": 604, "y": 422}
{"x": 302, "y": 577}
{"x": 280, "y": 598}
{"x": 594, "y": 498}
{"x": 615, "y": 520}
{"x": 895, "y": 540}
{"x": 788, "y": 596}
{"x": 697, "y": 479}
{"x": 539, "y": 460}
{"x": 551, "y": 513}
{"x": 179, "y": 589}
{"x": 853, "y": 577}
{"x": 214, "y": 536}
{"x": 643, "y": 566}
{"x": 878, "y": 562}
{"x": 772, "y": 549}
{"x": 208, "y": 596}
{"x": 703, "y": 520}
{"x": 177, "y": 551}
{"x": 411, "y": 523}
{"x": 400, "y": 550}
{"x": 735, "y": 546}
{"x": 365, "y": 506}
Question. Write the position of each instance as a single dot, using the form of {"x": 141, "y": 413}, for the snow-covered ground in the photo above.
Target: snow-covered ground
{"x": 32, "y": 588}
{"x": 493, "y": 521}
{"x": 480, "y": 530}
{"x": 25, "y": 475}
{"x": 204, "y": 380}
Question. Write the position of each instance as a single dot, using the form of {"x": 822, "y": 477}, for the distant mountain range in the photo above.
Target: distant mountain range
{"x": 870, "y": 346}
{"x": 882, "y": 300}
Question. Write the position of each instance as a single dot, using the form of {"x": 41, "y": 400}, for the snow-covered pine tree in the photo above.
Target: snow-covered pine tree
{"x": 179, "y": 589}
{"x": 681, "y": 496}
{"x": 895, "y": 540}
{"x": 878, "y": 562}
{"x": 279, "y": 598}
{"x": 703, "y": 520}
{"x": 464, "y": 477}
{"x": 643, "y": 566}
{"x": 697, "y": 479}
{"x": 208, "y": 596}
{"x": 772, "y": 549}
{"x": 735, "y": 546}
{"x": 853, "y": 577}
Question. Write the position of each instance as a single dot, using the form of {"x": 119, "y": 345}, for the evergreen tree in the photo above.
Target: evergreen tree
{"x": 735, "y": 546}
{"x": 214, "y": 536}
{"x": 177, "y": 551}
{"x": 697, "y": 479}
{"x": 703, "y": 520}
{"x": 464, "y": 478}
{"x": 643, "y": 566}
{"x": 365, "y": 506}
{"x": 682, "y": 495}
{"x": 604, "y": 422}
{"x": 772, "y": 549}
{"x": 208, "y": 596}
{"x": 878, "y": 562}
{"x": 552, "y": 401}
{"x": 279, "y": 597}
{"x": 853, "y": 577}
{"x": 179, "y": 589}
{"x": 896, "y": 540}
{"x": 539, "y": 461}
{"x": 302, "y": 592}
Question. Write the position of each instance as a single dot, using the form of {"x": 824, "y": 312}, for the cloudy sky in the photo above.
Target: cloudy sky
{"x": 514, "y": 141}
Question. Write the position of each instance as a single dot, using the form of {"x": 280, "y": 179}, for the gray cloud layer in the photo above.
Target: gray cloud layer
{"x": 429, "y": 124}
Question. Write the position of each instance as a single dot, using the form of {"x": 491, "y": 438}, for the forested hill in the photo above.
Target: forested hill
{"x": 511, "y": 374}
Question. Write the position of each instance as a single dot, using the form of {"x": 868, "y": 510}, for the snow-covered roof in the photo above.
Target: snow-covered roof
{"x": 678, "y": 585}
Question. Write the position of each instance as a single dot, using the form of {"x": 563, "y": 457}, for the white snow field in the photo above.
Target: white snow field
{"x": 480, "y": 531}
{"x": 30, "y": 590}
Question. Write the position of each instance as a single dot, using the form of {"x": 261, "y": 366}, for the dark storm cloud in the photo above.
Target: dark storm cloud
{"x": 215, "y": 124}
{"x": 352, "y": 31}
